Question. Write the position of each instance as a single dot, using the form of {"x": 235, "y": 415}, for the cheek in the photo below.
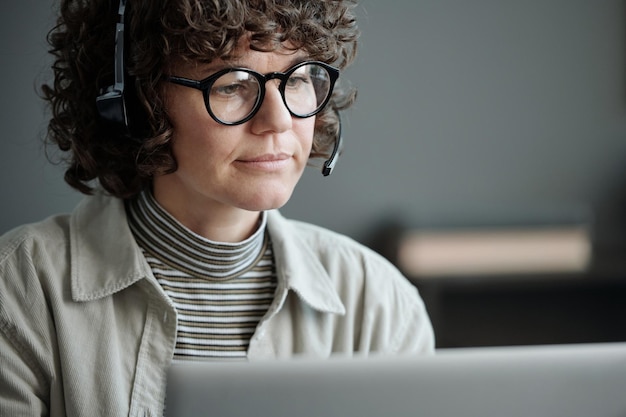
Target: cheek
{"x": 195, "y": 134}
{"x": 185, "y": 110}
{"x": 201, "y": 147}
{"x": 305, "y": 130}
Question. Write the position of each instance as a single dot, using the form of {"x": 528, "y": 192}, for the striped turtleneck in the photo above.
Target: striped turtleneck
{"x": 220, "y": 290}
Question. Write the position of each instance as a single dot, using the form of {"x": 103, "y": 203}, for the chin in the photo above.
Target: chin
{"x": 264, "y": 206}
{"x": 268, "y": 201}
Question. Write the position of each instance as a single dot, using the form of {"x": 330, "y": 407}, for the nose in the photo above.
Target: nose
{"x": 273, "y": 116}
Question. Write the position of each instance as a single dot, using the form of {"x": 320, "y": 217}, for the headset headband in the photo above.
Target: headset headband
{"x": 111, "y": 103}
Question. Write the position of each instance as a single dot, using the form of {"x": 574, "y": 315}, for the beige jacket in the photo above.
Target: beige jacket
{"x": 86, "y": 330}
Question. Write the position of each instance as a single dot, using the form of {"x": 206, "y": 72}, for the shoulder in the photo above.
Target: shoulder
{"x": 388, "y": 308}
{"x": 347, "y": 258}
{"x": 33, "y": 257}
{"x": 53, "y": 236}
{"x": 325, "y": 242}
{"x": 324, "y": 239}
{"x": 35, "y": 239}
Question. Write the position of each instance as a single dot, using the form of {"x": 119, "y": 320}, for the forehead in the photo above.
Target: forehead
{"x": 277, "y": 59}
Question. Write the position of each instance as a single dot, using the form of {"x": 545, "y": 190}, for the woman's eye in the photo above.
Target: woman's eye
{"x": 297, "y": 81}
{"x": 227, "y": 90}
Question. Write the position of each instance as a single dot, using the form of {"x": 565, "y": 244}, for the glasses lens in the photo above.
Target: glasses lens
{"x": 307, "y": 88}
{"x": 233, "y": 96}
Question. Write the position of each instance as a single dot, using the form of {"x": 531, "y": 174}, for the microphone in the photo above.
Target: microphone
{"x": 329, "y": 164}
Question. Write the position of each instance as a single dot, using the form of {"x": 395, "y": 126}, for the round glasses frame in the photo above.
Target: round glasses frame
{"x": 206, "y": 84}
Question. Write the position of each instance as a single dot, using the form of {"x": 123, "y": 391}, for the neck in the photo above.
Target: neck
{"x": 209, "y": 218}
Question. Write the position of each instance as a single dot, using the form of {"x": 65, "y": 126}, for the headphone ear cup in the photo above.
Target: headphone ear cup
{"x": 136, "y": 119}
{"x": 112, "y": 107}
{"x": 122, "y": 112}
{"x": 118, "y": 105}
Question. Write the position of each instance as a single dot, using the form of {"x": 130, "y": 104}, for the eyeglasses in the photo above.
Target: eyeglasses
{"x": 234, "y": 95}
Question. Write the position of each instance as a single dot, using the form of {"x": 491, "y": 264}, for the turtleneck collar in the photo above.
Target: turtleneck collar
{"x": 165, "y": 238}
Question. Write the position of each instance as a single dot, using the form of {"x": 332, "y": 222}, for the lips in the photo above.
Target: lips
{"x": 266, "y": 162}
{"x": 267, "y": 158}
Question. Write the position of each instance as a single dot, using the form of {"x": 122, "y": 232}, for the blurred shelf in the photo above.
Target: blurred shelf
{"x": 526, "y": 309}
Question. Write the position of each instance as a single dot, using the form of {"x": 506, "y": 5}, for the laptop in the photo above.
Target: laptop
{"x": 585, "y": 380}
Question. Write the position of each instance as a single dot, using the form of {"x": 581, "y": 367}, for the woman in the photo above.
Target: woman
{"x": 188, "y": 126}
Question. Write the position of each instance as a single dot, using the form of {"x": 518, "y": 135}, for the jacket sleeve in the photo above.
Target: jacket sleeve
{"x": 415, "y": 335}
{"x": 24, "y": 332}
{"x": 395, "y": 318}
{"x": 23, "y": 388}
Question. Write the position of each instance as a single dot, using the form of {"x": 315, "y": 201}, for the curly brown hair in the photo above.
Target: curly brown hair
{"x": 163, "y": 32}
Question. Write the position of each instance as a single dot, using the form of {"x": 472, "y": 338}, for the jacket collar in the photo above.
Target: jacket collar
{"x": 300, "y": 267}
{"x": 106, "y": 259}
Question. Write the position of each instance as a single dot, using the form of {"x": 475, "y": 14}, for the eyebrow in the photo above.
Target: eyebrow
{"x": 212, "y": 68}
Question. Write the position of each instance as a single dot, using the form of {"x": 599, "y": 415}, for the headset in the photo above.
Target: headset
{"x": 329, "y": 164}
{"x": 111, "y": 102}
{"x": 119, "y": 108}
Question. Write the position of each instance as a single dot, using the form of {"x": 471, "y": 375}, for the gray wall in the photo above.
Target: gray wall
{"x": 31, "y": 188}
{"x": 469, "y": 111}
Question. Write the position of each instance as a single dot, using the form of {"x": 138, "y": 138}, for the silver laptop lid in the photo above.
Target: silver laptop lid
{"x": 565, "y": 380}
